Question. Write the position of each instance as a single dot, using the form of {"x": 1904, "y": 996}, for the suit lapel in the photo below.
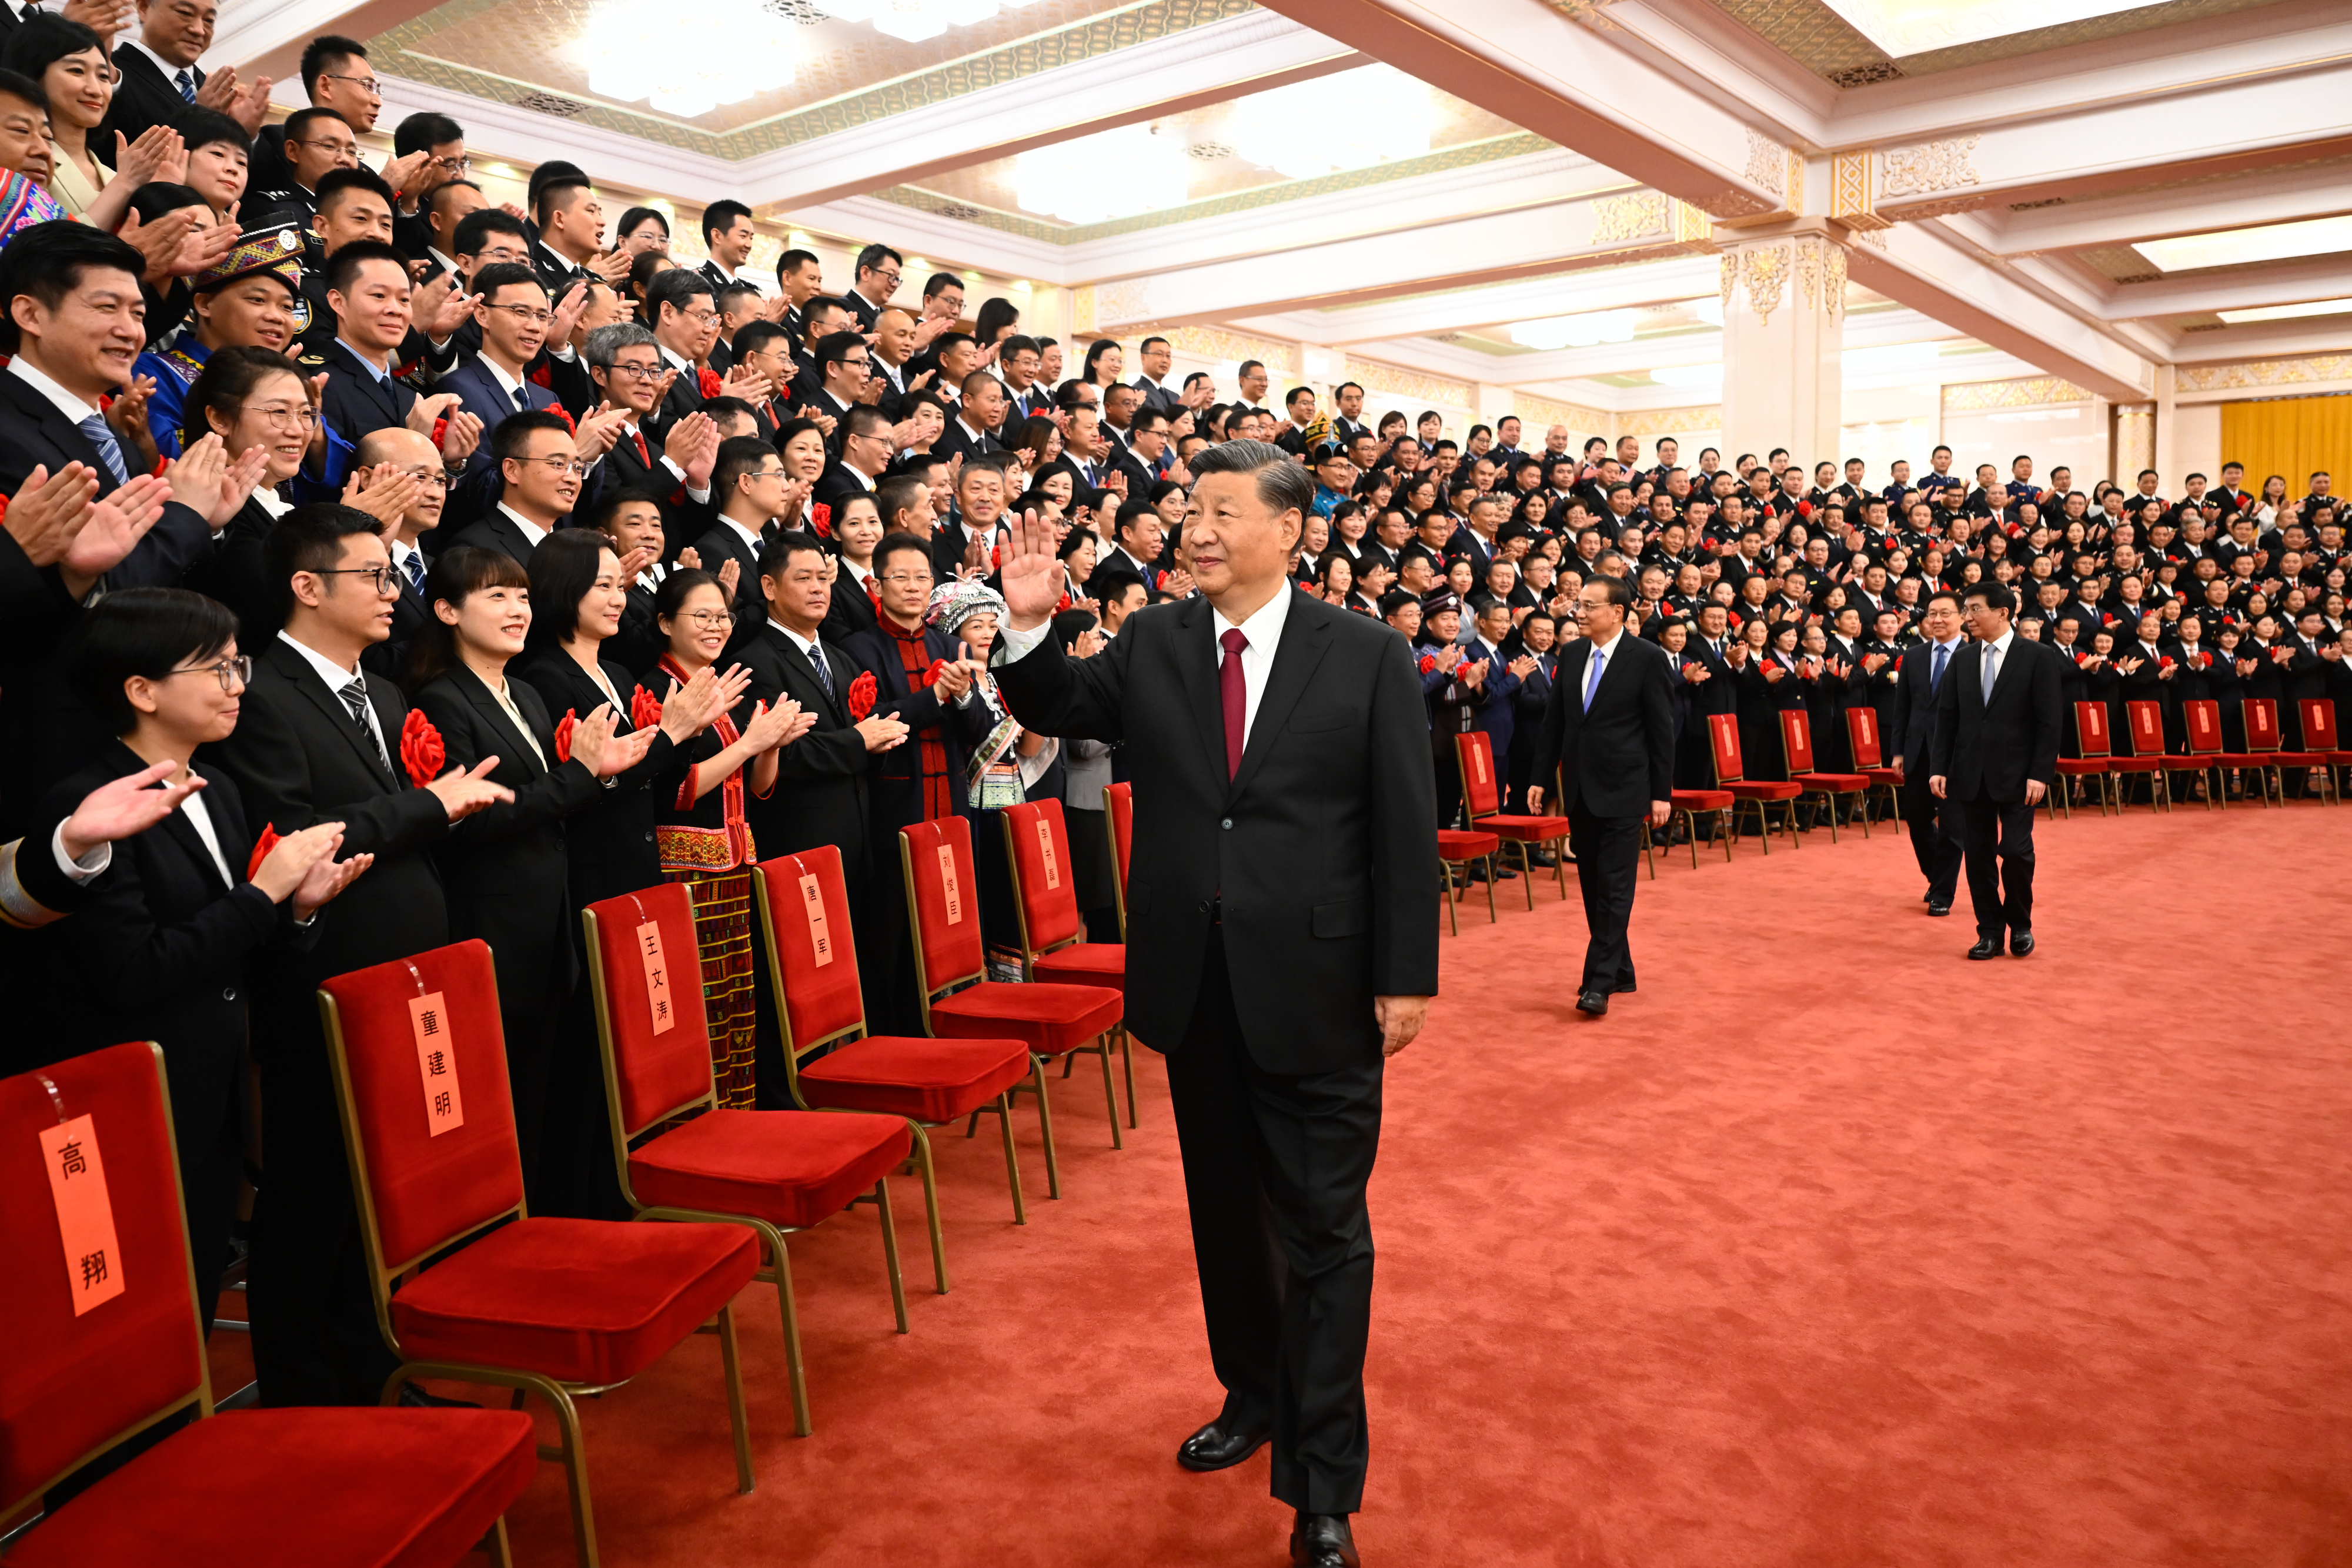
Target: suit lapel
{"x": 62, "y": 432}
{"x": 487, "y": 704}
{"x": 1305, "y": 640}
{"x": 2000, "y": 681}
{"x": 800, "y": 675}
{"x": 1196, "y": 662}
{"x": 297, "y": 669}
{"x": 364, "y": 380}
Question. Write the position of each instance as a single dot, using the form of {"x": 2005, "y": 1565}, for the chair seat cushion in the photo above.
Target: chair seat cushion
{"x": 1836, "y": 782}
{"x": 905, "y": 1075}
{"x": 1763, "y": 790}
{"x": 1048, "y": 1020}
{"x": 2079, "y": 764}
{"x": 1086, "y": 964}
{"x": 2133, "y": 764}
{"x": 791, "y": 1168}
{"x": 1455, "y": 844}
{"x": 1525, "y": 830}
{"x": 2289, "y": 759}
{"x": 371, "y": 1489}
{"x": 1878, "y": 776}
{"x": 583, "y": 1301}
{"x": 2340, "y": 758}
{"x": 1702, "y": 800}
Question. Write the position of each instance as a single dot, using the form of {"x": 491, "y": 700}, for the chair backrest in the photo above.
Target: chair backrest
{"x": 1796, "y": 739}
{"x": 1118, "y": 820}
{"x": 1723, "y": 744}
{"x": 1862, "y": 736}
{"x": 421, "y": 1076}
{"x": 2091, "y": 729}
{"x": 942, "y": 905}
{"x": 2318, "y": 723}
{"x": 2262, "y": 724}
{"x": 2144, "y": 722}
{"x": 2201, "y": 721}
{"x": 1037, "y": 848}
{"x": 812, "y": 951}
{"x": 646, "y": 968}
{"x": 99, "y": 1324}
{"x": 1476, "y": 752}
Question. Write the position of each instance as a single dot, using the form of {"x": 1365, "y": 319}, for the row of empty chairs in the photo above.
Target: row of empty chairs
{"x": 2265, "y": 757}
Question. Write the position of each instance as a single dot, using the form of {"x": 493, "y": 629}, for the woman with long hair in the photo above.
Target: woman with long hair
{"x": 700, "y": 831}
{"x": 1106, "y": 361}
{"x": 642, "y": 229}
{"x": 998, "y": 319}
{"x": 505, "y": 871}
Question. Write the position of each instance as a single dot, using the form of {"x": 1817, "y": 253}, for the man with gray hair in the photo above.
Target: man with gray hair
{"x": 624, "y": 361}
{"x": 1284, "y": 886}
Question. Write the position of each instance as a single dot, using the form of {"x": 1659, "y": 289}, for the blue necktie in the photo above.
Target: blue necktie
{"x": 109, "y": 450}
{"x": 187, "y": 86}
{"x": 1935, "y": 672}
{"x": 1592, "y": 678}
{"x": 416, "y": 569}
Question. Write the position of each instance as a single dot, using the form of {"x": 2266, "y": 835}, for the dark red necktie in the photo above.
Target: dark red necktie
{"x": 643, "y": 456}
{"x": 1232, "y": 694}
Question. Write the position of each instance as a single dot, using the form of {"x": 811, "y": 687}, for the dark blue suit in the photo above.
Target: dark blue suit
{"x": 1492, "y": 711}
{"x": 479, "y": 395}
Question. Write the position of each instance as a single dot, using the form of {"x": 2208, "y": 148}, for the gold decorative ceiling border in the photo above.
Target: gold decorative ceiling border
{"x": 1395, "y": 380}
{"x": 401, "y": 52}
{"x": 2024, "y": 392}
{"x": 2246, "y": 373}
{"x": 1651, "y": 423}
{"x": 1469, "y": 155}
{"x": 1547, "y": 411}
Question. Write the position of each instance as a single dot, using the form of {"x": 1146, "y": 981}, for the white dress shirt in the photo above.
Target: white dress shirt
{"x": 507, "y": 384}
{"x": 73, "y": 407}
{"x": 530, "y": 530}
{"x": 1262, "y": 631}
{"x": 1604, "y": 651}
{"x": 1994, "y": 659}
{"x": 193, "y": 808}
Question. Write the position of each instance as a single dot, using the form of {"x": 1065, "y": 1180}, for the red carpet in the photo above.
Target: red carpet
{"x": 1828, "y": 1248}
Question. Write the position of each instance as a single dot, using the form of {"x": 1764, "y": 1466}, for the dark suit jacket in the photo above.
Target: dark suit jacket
{"x": 357, "y": 405}
{"x": 820, "y": 795}
{"x": 1318, "y": 850}
{"x": 144, "y": 98}
{"x": 851, "y": 611}
{"x": 714, "y": 549}
{"x": 895, "y": 785}
{"x": 1992, "y": 749}
{"x": 476, "y": 492}
{"x": 953, "y": 443}
{"x": 684, "y": 519}
{"x": 1617, "y": 756}
{"x": 1913, "y": 729}
{"x": 496, "y": 531}
{"x": 610, "y": 842}
{"x": 298, "y": 759}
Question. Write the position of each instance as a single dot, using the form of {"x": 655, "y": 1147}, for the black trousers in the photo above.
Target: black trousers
{"x": 1935, "y": 835}
{"x": 1274, "y": 1170}
{"x": 2000, "y": 864}
{"x": 1608, "y": 862}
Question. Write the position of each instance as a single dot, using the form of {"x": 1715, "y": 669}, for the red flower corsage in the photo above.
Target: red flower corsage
{"x": 1428, "y": 663}
{"x": 421, "y": 751}
{"x": 861, "y": 695}
{"x": 939, "y": 667}
{"x": 563, "y": 734}
{"x": 708, "y": 380}
{"x": 440, "y": 429}
{"x": 261, "y": 848}
{"x": 540, "y": 378}
{"x": 563, "y": 413}
{"x": 821, "y": 519}
{"x": 645, "y": 709}
{"x": 2163, "y": 662}
{"x": 2082, "y": 658}
{"x": 2204, "y": 661}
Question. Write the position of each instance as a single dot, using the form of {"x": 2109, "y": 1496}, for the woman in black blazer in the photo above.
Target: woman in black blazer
{"x": 159, "y": 952}
{"x": 505, "y": 869}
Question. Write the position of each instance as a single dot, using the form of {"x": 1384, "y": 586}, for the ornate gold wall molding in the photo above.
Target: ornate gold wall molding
{"x": 2134, "y": 438}
{"x": 1541, "y": 412}
{"x": 1126, "y": 302}
{"x": 1768, "y": 268}
{"x": 1765, "y": 270}
{"x": 2245, "y": 373}
{"x": 1395, "y": 380}
{"x": 2026, "y": 391}
{"x": 1082, "y": 310}
{"x": 1778, "y": 168}
{"x": 1928, "y": 167}
{"x": 1215, "y": 343}
{"x": 1852, "y": 201}
{"x": 1650, "y": 423}
{"x": 1640, "y": 216}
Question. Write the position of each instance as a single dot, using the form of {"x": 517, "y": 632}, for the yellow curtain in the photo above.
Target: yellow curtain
{"x": 2289, "y": 435}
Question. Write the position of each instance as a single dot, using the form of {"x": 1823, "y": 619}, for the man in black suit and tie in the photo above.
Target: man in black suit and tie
{"x": 876, "y": 279}
{"x": 1996, "y": 755}
{"x": 416, "y": 457}
{"x": 684, "y": 325}
{"x": 1017, "y": 357}
{"x": 726, "y": 239}
{"x": 495, "y": 382}
{"x": 540, "y": 473}
{"x": 1935, "y": 823}
{"x": 157, "y": 74}
{"x": 318, "y": 740}
{"x": 1609, "y": 731}
{"x": 971, "y": 428}
{"x": 748, "y": 482}
{"x": 367, "y": 288}
{"x": 1159, "y": 360}
{"x": 1281, "y": 976}
{"x": 865, "y": 442}
{"x": 842, "y": 365}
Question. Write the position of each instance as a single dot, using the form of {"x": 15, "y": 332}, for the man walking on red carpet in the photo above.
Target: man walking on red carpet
{"x": 1995, "y": 753}
{"x": 1282, "y": 940}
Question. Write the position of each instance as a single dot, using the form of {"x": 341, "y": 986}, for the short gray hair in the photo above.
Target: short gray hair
{"x": 1283, "y": 483}
{"x": 606, "y": 343}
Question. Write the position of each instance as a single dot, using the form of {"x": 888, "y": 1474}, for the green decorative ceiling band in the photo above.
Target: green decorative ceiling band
{"x": 405, "y": 51}
{"x": 1469, "y": 154}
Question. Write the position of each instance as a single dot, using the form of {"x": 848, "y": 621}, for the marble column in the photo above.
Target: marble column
{"x": 1784, "y": 334}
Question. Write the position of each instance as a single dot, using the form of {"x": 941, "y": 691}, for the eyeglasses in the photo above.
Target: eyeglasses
{"x": 557, "y": 465}
{"x": 368, "y": 85}
{"x": 707, "y": 619}
{"x": 231, "y": 672}
{"x": 702, "y": 318}
{"x": 457, "y": 165}
{"x": 284, "y": 416}
{"x": 637, "y": 371}
{"x": 429, "y": 478}
{"x": 336, "y": 149}
{"x": 907, "y": 579}
{"x": 890, "y": 278}
{"x": 381, "y": 579}
{"x": 525, "y": 313}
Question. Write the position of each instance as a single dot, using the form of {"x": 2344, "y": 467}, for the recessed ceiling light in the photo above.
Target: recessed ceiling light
{"x": 2286, "y": 312}
{"x": 1914, "y": 27}
{"x": 2232, "y": 248}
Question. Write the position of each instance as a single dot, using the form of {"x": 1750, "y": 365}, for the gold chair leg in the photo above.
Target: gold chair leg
{"x": 1110, "y": 1093}
{"x": 1560, "y": 866}
{"x": 1493, "y": 860}
{"x": 1862, "y": 800}
{"x": 791, "y": 1310}
{"x": 1012, "y": 1163}
{"x": 890, "y": 1251}
{"x": 931, "y": 1205}
{"x": 1763, "y": 825}
{"x": 1126, "y": 1059}
{"x": 575, "y": 1474}
{"x": 1528, "y": 874}
{"x": 494, "y": 1543}
{"x": 1045, "y": 1122}
{"x": 1649, "y": 844}
{"x": 735, "y": 1414}
{"x": 1690, "y": 831}
{"x": 1452, "y": 919}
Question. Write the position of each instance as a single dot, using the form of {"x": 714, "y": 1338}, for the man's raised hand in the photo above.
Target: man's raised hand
{"x": 1031, "y": 575}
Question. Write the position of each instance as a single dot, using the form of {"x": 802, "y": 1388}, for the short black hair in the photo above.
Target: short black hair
{"x": 562, "y": 571}
{"x": 737, "y": 455}
{"x": 790, "y": 261}
{"x": 502, "y": 274}
{"x": 476, "y": 226}
{"x": 674, "y": 288}
{"x": 42, "y": 40}
{"x": 555, "y": 192}
{"x": 512, "y": 437}
{"x": 47, "y": 261}
{"x": 17, "y": 85}
{"x": 939, "y": 283}
{"x": 1997, "y": 596}
{"x": 777, "y": 551}
{"x": 423, "y": 131}
{"x": 345, "y": 264}
{"x": 335, "y": 182}
{"x": 871, "y": 258}
{"x": 298, "y": 124}
{"x": 208, "y": 127}
{"x": 727, "y": 294}
{"x": 720, "y": 215}
{"x": 755, "y": 335}
{"x": 833, "y": 349}
{"x": 326, "y": 49}
{"x": 153, "y": 199}
{"x": 147, "y": 632}
{"x": 307, "y": 538}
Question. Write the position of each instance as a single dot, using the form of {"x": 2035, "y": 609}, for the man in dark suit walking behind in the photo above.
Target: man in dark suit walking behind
{"x": 1609, "y": 731}
{"x": 1934, "y": 824}
{"x": 1285, "y": 888}
{"x": 1995, "y": 753}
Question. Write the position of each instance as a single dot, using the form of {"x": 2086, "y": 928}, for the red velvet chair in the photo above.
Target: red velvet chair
{"x": 1862, "y": 738}
{"x": 2144, "y": 733}
{"x": 1483, "y": 800}
{"x": 1731, "y": 777}
{"x": 959, "y": 1001}
{"x": 2201, "y": 727}
{"x": 831, "y": 1063}
{"x": 1797, "y": 746}
{"x": 559, "y": 1308}
{"x": 1459, "y": 847}
{"x": 2320, "y": 734}
{"x": 415, "y": 1489}
{"x": 1118, "y": 820}
{"x": 1037, "y": 848}
{"x": 776, "y": 1172}
{"x": 2097, "y": 761}
{"x": 2267, "y": 747}
{"x": 1688, "y": 803}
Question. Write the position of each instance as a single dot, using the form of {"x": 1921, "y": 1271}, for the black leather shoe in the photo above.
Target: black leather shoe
{"x": 2020, "y": 943}
{"x": 1986, "y": 947}
{"x": 414, "y": 1397}
{"x": 1595, "y": 1002}
{"x": 1934, "y": 908}
{"x": 1220, "y": 1445}
{"x": 1323, "y": 1541}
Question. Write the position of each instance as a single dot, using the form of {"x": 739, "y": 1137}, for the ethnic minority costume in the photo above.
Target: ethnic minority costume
{"x": 707, "y": 844}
